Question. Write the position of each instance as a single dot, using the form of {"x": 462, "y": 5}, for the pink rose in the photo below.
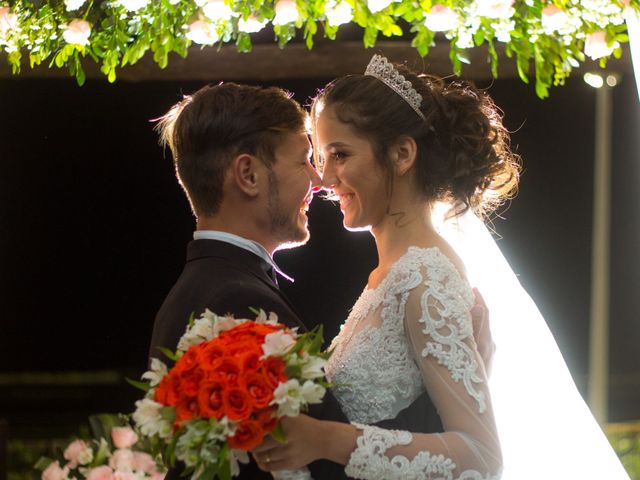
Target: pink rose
{"x": 122, "y": 460}
{"x": 596, "y": 45}
{"x": 144, "y": 462}
{"x": 202, "y": 32}
{"x": 124, "y": 476}
{"x": 100, "y": 473}
{"x": 77, "y": 32}
{"x": 158, "y": 476}
{"x": 495, "y": 8}
{"x": 78, "y": 453}
{"x": 553, "y": 18}
{"x": 123, "y": 437}
{"x": 441, "y": 19}
{"x": 54, "y": 472}
{"x": 8, "y": 20}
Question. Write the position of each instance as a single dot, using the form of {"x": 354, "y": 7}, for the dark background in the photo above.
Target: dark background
{"x": 93, "y": 229}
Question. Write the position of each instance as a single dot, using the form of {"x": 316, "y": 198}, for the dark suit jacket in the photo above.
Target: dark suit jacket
{"x": 228, "y": 279}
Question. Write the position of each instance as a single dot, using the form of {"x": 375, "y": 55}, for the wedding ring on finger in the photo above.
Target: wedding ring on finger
{"x": 267, "y": 458}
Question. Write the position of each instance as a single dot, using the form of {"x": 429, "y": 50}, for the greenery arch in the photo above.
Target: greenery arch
{"x": 547, "y": 38}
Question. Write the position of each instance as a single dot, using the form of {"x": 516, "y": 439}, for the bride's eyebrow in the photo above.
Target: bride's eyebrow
{"x": 334, "y": 145}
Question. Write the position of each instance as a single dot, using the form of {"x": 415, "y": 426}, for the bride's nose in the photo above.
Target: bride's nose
{"x": 329, "y": 178}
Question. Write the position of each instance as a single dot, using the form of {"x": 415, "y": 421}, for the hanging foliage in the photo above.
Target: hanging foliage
{"x": 547, "y": 38}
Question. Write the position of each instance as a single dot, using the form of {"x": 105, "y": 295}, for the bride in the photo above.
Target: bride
{"x": 393, "y": 148}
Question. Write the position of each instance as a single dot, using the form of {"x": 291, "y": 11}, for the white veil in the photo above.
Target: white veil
{"x": 546, "y": 429}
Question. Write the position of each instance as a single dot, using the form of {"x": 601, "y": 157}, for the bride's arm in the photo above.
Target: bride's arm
{"x": 439, "y": 329}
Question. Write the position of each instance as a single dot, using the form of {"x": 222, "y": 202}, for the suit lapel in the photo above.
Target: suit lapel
{"x": 241, "y": 259}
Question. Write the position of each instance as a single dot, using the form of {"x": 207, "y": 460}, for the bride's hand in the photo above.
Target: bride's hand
{"x": 304, "y": 444}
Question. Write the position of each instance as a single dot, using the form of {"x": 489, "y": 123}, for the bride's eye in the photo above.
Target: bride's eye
{"x": 338, "y": 156}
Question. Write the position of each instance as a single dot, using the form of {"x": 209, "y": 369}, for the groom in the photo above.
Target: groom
{"x": 242, "y": 157}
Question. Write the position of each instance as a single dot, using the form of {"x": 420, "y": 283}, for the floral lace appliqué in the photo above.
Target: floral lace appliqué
{"x": 376, "y": 364}
{"x": 369, "y": 462}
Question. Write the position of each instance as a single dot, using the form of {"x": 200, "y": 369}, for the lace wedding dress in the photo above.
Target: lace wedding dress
{"x": 410, "y": 333}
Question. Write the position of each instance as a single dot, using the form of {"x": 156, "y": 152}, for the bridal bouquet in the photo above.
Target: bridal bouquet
{"x": 115, "y": 453}
{"x": 232, "y": 380}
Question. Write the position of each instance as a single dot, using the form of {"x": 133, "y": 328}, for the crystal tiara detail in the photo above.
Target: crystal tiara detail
{"x": 384, "y": 71}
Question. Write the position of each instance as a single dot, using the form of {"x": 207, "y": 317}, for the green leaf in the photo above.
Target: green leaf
{"x": 144, "y": 386}
{"x": 278, "y": 433}
{"x": 43, "y": 463}
{"x": 168, "y": 353}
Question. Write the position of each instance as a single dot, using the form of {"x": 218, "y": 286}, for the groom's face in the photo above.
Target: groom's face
{"x": 292, "y": 181}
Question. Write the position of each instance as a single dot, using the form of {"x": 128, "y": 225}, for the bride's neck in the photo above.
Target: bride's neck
{"x": 405, "y": 225}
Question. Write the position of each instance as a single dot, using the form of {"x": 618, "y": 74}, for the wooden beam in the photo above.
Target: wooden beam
{"x": 327, "y": 59}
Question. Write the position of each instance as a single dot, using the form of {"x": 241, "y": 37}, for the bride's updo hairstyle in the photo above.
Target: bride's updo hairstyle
{"x": 463, "y": 156}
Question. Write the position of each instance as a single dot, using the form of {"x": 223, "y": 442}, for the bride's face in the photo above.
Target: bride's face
{"x": 351, "y": 172}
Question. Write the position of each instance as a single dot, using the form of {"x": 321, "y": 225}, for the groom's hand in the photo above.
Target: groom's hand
{"x": 482, "y": 331}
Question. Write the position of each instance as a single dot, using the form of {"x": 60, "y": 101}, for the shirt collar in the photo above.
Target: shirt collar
{"x": 241, "y": 242}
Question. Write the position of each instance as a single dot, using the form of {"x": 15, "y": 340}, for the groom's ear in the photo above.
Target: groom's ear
{"x": 403, "y": 154}
{"x": 246, "y": 173}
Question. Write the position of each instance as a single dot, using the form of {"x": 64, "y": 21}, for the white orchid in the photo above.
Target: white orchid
{"x": 149, "y": 419}
{"x": 312, "y": 392}
{"x": 313, "y": 367}
{"x": 158, "y": 370}
{"x": 277, "y": 343}
{"x": 288, "y": 397}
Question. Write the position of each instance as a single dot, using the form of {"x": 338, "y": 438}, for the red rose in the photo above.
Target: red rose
{"x": 189, "y": 360}
{"x": 267, "y": 419}
{"x": 168, "y": 391}
{"x": 228, "y": 368}
{"x": 237, "y": 403}
{"x": 273, "y": 371}
{"x": 258, "y": 389}
{"x": 250, "y": 360}
{"x": 210, "y": 399}
{"x": 248, "y": 436}
{"x": 190, "y": 381}
{"x": 186, "y": 409}
{"x": 211, "y": 351}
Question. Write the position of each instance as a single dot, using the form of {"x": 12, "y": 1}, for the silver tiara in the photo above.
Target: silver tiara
{"x": 384, "y": 71}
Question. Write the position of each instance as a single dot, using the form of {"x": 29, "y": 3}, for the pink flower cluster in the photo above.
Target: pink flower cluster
{"x": 123, "y": 463}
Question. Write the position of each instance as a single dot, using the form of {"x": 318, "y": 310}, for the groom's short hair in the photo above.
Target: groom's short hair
{"x": 206, "y": 130}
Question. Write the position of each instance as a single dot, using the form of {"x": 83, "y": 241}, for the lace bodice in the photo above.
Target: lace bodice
{"x": 413, "y": 331}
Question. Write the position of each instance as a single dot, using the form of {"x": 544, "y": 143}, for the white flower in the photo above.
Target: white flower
{"x": 312, "y": 392}
{"x": 77, "y": 32}
{"x": 554, "y": 18}
{"x": 338, "y": 12}
{"x": 71, "y": 5}
{"x": 174, "y": 2}
{"x": 133, "y": 5}
{"x": 377, "y": 5}
{"x": 272, "y": 319}
{"x": 495, "y": 8}
{"x": 157, "y": 372}
{"x": 149, "y": 419}
{"x": 596, "y": 45}
{"x": 441, "y": 19}
{"x": 313, "y": 368}
{"x": 286, "y": 12}
{"x": 277, "y": 344}
{"x": 251, "y": 24}
{"x": 288, "y": 397}
{"x": 8, "y": 20}
{"x": 236, "y": 456}
{"x": 216, "y": 10}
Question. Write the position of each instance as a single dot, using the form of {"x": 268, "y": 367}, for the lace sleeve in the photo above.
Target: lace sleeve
{"x": 438, "y": 327}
